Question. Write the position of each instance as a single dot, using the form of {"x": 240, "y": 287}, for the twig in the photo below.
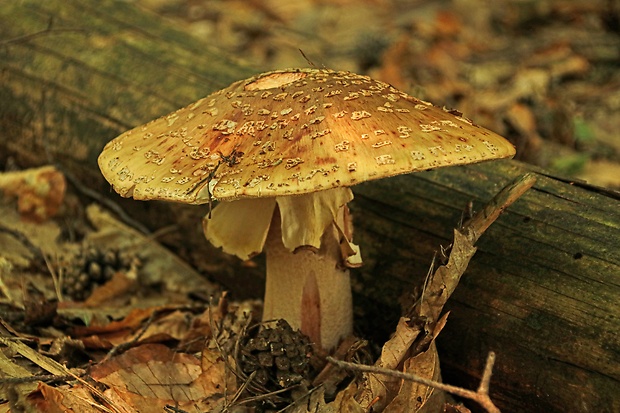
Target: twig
{"x": 34, "y": 250}
{"x": 310, "y": 62}
{"x": 482, "y": 219}
{"x": 174, "y": 409}
{"x": 127, "y": 345}
{"x": 40, "y": 377}
{"x": 265, "y": 396}
{"x": 40, "y": 33}
{"x": 297, "y": 401}
{"x": 57, "y": 279}
{"x": 480, "y": 396}
{"x": 230, "y": 160}
{"x": 108, "y": 203}
{"x": 486, "y": 374}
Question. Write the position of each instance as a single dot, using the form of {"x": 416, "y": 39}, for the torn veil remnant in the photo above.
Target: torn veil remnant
{"x": 279, "y": 151}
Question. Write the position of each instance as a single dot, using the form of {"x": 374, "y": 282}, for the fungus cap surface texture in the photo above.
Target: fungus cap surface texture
{"x": 291, "y": 132}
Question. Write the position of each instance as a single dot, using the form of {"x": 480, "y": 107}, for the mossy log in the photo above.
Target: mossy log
{"x": 543, "y": 291}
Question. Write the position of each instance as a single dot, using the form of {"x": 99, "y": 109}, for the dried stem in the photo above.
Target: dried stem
{"x": 41, "y": 377}
{"x": 45, "y": 32}
{"x": 102, "y": 200}
{"x": 481, "y": 396}
{"x": 481, "y": 221}
{"x": 39, "y": 257}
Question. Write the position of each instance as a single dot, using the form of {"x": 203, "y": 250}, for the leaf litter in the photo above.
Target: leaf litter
{"x": 127, "y": 349}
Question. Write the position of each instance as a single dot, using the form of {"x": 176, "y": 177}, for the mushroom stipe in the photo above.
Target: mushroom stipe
{"x": 296, "y": 140}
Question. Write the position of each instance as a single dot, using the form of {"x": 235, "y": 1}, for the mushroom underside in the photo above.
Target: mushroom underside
{"x": 308, "y": 245}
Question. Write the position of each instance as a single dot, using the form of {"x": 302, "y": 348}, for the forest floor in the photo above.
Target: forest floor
{"x": 544, "y": 74}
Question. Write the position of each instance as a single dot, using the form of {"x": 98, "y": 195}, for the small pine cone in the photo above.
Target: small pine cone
{"x": 92, "y": 267}
{"x": 279, "y": 356}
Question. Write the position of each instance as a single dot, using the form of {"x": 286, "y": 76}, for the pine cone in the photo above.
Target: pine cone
{"x": 279, "y": 356}
{"x": 92, "y": 267}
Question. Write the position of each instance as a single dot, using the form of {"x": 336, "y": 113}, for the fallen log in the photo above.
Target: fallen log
{"x": 543, "y": 291}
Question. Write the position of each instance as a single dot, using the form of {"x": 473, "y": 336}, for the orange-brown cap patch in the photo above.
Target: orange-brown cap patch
{"x": 291, "y": 132}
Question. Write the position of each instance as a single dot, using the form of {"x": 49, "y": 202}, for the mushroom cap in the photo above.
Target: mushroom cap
{"x": 291, "y": 132}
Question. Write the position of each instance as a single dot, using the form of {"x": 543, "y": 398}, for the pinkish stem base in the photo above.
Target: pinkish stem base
{"x": 309, "y": 288}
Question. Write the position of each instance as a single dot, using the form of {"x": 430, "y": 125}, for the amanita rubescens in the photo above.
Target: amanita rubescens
{"x": 280, "y": 151}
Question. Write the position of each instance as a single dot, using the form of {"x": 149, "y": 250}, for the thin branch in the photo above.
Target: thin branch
{"x": 481, "y": 221}
{"x": 39, "y": 257}
{"x": 57, "y": 278}
{"x": 108, "y": 203}
{"x": 486, "y": 374}
{"x": 131, "y": 343}
{"x": 41, "y": 33}
{"x": 481, "y": 396}
{"x": 36, "y": 378}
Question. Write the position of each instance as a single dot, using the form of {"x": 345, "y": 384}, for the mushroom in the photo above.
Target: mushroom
{"x": 280, "y": 151}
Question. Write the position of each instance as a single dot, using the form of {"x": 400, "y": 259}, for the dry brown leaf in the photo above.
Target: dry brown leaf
{"x": 438, "y": 289}
{"x": 133, "y": 320}
{"x": 151, "y": 376}
{"x": 175, "y": 325}
{"x": 415, "y": 397}
{"x": 53, "y": 400}
{"x": 391, "y": 69}
{"x": 344, "y": 403}
{"x": 443, "y": 282}
{"x": 64, "y": 399}
{"x": 378, "y": 391}
{"x": 201, "y": 328}
{"x": 96, "y": 342}
{"x": 8, "y": 369}
{"x": 447, "y": 23}
{"x": 42, "y": 235}
{"x": 560, "y": 59}
{"x": 172, "y": 324}
{"x": 45, "y": 363}
{"x": 104, "y": 294}
{"x": 522, "y": 119}
{"x": 122, "y": 331}
{"x": 392, "y": 355}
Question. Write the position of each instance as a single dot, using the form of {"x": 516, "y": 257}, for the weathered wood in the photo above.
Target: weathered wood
{"x": 74, "y": 74}
{"x": 543, "y": 291}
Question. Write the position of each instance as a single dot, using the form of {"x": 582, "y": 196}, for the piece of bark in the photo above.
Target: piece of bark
{"x": 542, "y": 291}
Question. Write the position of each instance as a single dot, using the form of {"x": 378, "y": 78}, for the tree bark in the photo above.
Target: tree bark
{"x": 543, "y": 291}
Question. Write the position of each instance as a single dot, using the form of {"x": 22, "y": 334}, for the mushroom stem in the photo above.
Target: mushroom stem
{"x": 309, "y": 288}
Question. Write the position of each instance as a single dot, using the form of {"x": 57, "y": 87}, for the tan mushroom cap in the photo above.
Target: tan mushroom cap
{"x": 291, "y": 132}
